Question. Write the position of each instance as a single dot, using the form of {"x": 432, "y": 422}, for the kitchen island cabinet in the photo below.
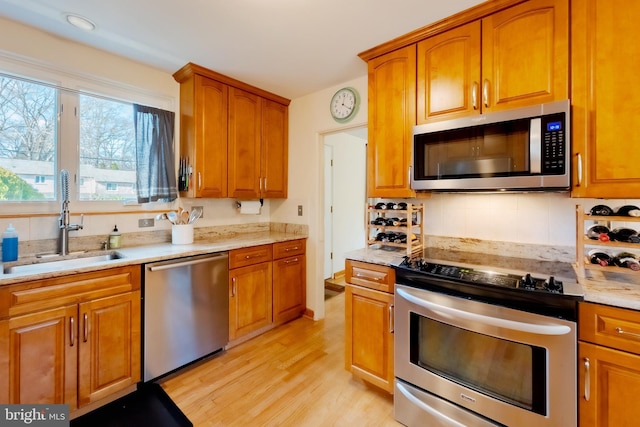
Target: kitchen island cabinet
{"x": 608, "y": 365}
{"x": 512, "y": 58}
{"x": 604, "y": 61}
{"x": 369, "y": 322}
{"x": 72, "y": 339}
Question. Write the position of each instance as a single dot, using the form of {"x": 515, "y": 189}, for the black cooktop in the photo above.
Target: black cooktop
{"x": 537, "y": 293}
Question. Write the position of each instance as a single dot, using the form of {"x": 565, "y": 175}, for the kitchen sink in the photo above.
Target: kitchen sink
{"x": 56, "y": 262}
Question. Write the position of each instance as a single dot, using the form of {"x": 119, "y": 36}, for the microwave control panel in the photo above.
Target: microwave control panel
{"x": 554, "y": 144}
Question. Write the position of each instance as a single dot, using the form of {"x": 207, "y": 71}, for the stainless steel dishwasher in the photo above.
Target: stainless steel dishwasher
{"x": 186, "y": 311}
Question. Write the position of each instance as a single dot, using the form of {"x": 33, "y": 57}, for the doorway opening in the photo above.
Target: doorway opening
{"x": 344, "y": 202}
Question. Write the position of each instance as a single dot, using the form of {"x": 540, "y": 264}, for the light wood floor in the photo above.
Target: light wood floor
{"x": 291, "y": 376}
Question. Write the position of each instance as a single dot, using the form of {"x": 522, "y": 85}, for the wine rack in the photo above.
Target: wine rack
{"x": 583, "y": 263}
{"x": 381, "y": 221}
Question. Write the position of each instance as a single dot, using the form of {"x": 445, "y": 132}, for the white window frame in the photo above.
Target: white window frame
{"x": 67, "y": 157}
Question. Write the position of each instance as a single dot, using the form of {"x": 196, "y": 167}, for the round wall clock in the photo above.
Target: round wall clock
{"x": 344, "y": 104}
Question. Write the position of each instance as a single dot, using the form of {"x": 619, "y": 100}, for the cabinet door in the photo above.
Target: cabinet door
{"x": 40, "y": 352}
{"x": 245, "y": 110}
{"x": 369, "y": 335}
{"x": 392, "y": 115}
{"x": 605, "y": 60}
{"x": 525, "y": 55}
{"x": 210, "y": 177}
{"x": 109, "y": 338}
{"x": 289, "y": 288}
{"x": 275, "y": 149}
{"x": 250, "y": 299}
{"x": 609, "y": 382}
{"x": 449, "y": 74}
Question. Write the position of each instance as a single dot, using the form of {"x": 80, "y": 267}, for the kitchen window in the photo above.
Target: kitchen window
{"x": 45, "y": 127}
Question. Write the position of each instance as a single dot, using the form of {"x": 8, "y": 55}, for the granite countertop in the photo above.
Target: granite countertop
{"x": 619, "y": 290}
{"x": 152, "y": 253}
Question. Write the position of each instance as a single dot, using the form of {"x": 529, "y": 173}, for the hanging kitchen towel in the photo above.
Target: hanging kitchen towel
{"x": 250, "y": 207}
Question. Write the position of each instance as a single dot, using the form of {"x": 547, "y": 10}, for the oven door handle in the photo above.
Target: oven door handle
{"x": 420, "y": 404}
{"x": 446, "y": 313}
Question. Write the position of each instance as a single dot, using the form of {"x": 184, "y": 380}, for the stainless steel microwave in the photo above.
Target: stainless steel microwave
{"x": 525, "y": 149}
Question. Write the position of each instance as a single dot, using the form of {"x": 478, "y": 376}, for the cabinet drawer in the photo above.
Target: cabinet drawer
{"x": 374, "y": 276}
{"x": 290, "y": 248}
{"x": 613, "y": 327}
{"x": 249, "y": 256}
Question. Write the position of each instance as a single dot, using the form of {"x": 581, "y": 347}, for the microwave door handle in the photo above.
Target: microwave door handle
{"x": 535, "y": 145}
{"x": 442, "y": 312}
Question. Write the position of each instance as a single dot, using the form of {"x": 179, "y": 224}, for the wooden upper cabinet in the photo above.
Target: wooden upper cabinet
{"x": 449, "y": 74}
{"x": 203, "y": 134}
{"x": 234, "y": 135}
{"x": 245, "y": 115}
{"x": 605, "y": 58}
{"x": 512, "y": 58}
{"x": 392, "y": 115}
{"x": 275, "y": 150}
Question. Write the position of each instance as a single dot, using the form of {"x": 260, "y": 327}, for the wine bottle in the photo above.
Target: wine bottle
{"x": 596, "y": 256}
{"x": 626, "y": 260}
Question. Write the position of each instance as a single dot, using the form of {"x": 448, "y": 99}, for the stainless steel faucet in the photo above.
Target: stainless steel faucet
{"x": 63, "y": 222}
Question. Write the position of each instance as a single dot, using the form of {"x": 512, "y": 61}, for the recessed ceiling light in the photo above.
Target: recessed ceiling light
{"x": 80, "y": 22}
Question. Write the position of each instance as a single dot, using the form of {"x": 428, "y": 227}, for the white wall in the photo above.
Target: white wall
{"x": 309, "y": 120}
{"x": 349, "y": 194}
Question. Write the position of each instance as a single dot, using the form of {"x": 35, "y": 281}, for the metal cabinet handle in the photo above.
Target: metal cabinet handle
{"x": 587, "y": 379}
{"x": 295, "y": 248}
{"x": 289, "y": 261}
{"x": 199, "y": 181}
{"x": 485, "y": 92}
{"x": 265, "y": 183}
{"x": 72, "y": 329}
{"x": 623, "y": 332}
{"x": 233, "y": 287}
{"x": 86, "y": 328}
{"x": 579, "y": 170}
{"x": 392, "y": 325}
{"x": 474, "y": 95}
{"x": 364, "y": 276}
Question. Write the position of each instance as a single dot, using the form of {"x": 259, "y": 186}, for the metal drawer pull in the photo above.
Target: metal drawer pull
{"x": 623, "y": 332}
{"x": 289, "y": 261}
{"x": 86, "y": 327}
{"x": 364, "y": 276}
{"x": 391, "y": 322}
{"x": 72, "y": 334}
{"x": 295, "y": 248}
{"x": 587, "y": 380}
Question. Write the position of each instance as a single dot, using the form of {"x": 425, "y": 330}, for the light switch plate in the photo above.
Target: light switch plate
{"x": 299, "y": 210}
{"x": 145, "y": 222}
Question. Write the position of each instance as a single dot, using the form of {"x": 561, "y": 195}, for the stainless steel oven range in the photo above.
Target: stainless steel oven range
{"x": 476, "y": 346}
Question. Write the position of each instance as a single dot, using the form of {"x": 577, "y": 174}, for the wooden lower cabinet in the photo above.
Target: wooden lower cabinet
{"x": 289, "y": 280}
{"x": 608, "y": 366}
{"x": 267, "y": 287}
{"x": 369, "y": 327}
{"x": 55, "y": 350}
{"x": 250, "y": 299}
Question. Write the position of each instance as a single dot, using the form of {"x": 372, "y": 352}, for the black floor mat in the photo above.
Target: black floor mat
{"x": 147, "y": 406}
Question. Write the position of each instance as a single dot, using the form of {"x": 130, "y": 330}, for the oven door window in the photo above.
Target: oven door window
{"x": 509, "y": 371}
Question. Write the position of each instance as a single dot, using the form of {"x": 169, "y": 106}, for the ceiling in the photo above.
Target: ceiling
{"x": 289, "y": 47}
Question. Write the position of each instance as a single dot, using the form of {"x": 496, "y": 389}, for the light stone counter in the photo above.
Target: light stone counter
{"x": 160, "y": 252}
{"x": 619, "y": 290}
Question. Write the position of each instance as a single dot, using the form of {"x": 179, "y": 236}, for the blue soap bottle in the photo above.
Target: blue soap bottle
{"x": 10, "y": 244}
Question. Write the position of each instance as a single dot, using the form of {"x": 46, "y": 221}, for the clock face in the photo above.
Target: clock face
{"x": 344, "y": 104}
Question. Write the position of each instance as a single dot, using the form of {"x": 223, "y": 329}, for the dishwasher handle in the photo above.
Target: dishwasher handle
{"x": 167, "y": 266}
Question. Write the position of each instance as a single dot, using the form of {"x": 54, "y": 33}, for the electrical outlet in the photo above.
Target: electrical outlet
{"x": 145, "y": 222}
{"x": 299, "y": 210}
